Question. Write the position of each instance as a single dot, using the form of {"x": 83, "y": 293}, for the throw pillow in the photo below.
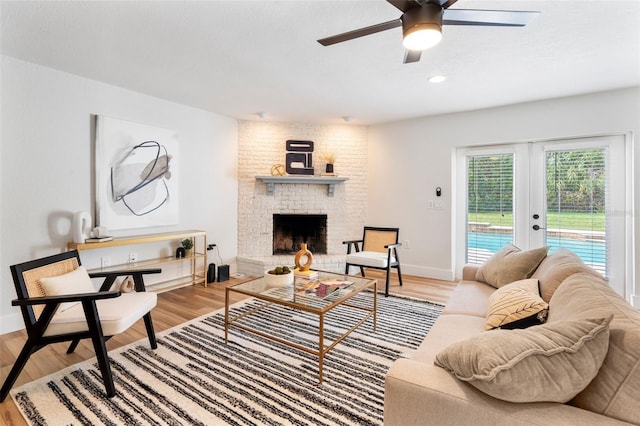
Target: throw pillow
{"x": 555, "y": 268}
{"x": 549, "y": 362}
{"x": 510, "y": 264}
{"x": 74, "y": 282}
{"x": 516, "y": 305}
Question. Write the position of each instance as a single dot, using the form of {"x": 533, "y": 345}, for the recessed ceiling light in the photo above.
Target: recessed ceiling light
{"x": 437, "y": 78}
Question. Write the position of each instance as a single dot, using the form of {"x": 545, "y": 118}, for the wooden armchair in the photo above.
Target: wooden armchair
{"x": 59, "y": 303}
{"x": 378, "y": 249}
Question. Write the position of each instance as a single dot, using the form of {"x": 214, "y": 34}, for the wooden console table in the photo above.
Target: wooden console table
{"x": 197, "y": 261}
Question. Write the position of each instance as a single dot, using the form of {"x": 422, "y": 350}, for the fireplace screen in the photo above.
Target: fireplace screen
{"x": 291, "y": 230}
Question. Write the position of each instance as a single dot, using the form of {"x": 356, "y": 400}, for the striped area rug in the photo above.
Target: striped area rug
{"x": 194, "y": 378}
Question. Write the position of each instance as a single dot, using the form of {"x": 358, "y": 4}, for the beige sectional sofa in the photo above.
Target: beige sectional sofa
{"x": 417, "y": 392}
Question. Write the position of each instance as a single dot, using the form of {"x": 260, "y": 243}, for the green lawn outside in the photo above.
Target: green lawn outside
{"x": 565, "y": 220}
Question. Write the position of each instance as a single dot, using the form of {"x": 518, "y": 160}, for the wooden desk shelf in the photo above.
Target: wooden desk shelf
{"x": 197, "y": 261}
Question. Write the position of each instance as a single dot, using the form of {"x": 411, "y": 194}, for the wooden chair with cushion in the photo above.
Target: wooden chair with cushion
{"x": 378, "y": 249}
{"x": 59, "y": 303}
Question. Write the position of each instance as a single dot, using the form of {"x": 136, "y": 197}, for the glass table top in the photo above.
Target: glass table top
{"x": 321, "y": 293}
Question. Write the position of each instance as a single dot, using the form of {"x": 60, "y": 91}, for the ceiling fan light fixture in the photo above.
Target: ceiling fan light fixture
{"x": 423, "y": 37}
{"x": 422, "y": 27}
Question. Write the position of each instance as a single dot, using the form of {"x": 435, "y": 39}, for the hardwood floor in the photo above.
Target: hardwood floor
{"x": 174, "y": 308}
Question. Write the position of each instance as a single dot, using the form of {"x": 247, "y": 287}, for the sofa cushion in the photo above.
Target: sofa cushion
{"x": 549, "y": 362}
{"x": 555, "y": 268}
{"x": 469, "y": 298}
{"x": 446, "y": 330}
{"x": 516, "y": 305}
{"x": 510, "y": 264}
{"x": 615, "y": 391}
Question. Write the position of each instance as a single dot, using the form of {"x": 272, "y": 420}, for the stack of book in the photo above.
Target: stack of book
{"x": 98, "y": 239}
{"x": 307, "y": 275}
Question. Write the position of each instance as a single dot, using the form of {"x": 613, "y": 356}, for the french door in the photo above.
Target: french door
{"x": 563, "y": 194}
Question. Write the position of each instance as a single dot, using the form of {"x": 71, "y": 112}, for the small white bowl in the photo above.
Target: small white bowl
{"x": 278, "y": 280}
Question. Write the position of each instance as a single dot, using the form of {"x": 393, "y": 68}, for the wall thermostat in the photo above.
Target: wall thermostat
{"x": 438, "y": 191}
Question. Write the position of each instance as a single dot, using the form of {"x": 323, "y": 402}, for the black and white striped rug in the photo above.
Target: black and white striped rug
{"x": 195, "y": 378}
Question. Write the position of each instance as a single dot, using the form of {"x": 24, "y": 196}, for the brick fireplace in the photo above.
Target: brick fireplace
{"x": 260, "y": 146}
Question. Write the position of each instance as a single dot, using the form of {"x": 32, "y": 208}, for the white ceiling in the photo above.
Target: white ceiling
{"x": 239, "y": 58}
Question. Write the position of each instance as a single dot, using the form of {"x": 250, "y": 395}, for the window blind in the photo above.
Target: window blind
{"x": 489, "y": 205}
{"x": 577, "y": 188}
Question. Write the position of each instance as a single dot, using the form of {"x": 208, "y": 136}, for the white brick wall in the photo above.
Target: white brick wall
{"x": 260, "y": 146}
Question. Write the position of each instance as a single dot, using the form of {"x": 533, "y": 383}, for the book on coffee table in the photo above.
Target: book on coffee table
{"x": 322, "y": 288}
{"x": 309, "y": 274}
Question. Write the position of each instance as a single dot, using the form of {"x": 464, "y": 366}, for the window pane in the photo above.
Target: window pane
{"x": 489, "y": 205}
{"x": 576, "y": 201}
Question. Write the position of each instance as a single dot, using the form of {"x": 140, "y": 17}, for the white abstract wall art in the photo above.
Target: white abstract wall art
{"x": 136, "y": 175}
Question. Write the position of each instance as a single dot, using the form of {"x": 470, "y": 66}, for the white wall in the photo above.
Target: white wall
{"x": 46, "y": 162}
{"x": 416, "y": 157}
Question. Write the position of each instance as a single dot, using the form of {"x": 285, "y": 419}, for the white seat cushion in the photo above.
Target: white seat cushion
{"x": 373, "y": 259}
{"x": 116, "y": 315}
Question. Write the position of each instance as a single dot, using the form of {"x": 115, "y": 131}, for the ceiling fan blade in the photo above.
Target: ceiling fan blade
{"x": 404, "y": 5}
{"x": 360, "y": 32}
{"x": 488, "y": 18}
{"x": 411, "y": 56}
{"x": 446, "y": 4}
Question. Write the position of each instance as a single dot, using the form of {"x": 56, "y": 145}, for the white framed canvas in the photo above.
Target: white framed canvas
{"x": 136, "y": 175}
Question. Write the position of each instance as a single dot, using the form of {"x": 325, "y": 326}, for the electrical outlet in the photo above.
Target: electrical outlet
{"x": 105, "y": 262}
{"x": 406, "y": 245}
{"x": 430, "y": 204}
{"x": 133, "y": 257}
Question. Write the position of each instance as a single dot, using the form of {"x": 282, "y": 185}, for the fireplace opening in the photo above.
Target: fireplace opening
{"x": 291, "y": 230}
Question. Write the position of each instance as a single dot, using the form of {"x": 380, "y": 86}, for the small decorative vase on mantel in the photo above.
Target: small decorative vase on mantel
{"x": 303, "y": 252}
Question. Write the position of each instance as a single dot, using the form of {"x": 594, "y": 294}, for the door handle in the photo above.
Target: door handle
{"x": 537, "y": 227}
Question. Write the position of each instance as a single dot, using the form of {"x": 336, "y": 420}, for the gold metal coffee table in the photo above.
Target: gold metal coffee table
{"x": 308, "y": 301}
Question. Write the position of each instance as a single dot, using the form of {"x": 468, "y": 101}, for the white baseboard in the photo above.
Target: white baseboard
{"x": 635, "y": 300}
{"x": 421, "y": 271}
{"x": 11, "y": 322}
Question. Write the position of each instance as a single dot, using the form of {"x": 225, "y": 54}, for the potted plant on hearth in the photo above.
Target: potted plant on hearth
{"x": 187, "y": 244}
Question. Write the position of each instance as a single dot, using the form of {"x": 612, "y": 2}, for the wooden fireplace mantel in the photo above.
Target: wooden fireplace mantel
{"x": 330, "y": 181}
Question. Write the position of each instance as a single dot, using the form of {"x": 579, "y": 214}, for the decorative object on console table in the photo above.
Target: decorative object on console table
{"x": 187, "y": 244}
{"x": 299, "y": 157}
{"x": 304, "y": 252}
{"x": 81, "y": 226}
{"x": 98, "y": 239}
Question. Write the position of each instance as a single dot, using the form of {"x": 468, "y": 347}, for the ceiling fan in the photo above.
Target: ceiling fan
{"x": 422, "y": 22}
